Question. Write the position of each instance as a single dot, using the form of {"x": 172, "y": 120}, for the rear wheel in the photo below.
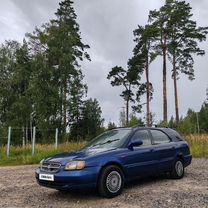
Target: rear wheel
{"x": 178, "y": 169}
{"x": 111, "y": 181}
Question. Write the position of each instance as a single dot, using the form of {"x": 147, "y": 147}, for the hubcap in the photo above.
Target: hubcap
{"x": 113, "y": 181}
{"x": 179, "y": 168}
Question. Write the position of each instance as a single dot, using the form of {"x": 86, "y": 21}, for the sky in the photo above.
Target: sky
{"x": 107, "y": 26}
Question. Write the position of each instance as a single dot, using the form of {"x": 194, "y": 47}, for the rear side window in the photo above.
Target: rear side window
{"x": 175, "y": 134}
{"x": 159, "y": 137}
{"x": 142, "y": 135}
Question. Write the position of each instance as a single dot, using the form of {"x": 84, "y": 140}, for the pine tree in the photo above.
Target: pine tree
{"x": 90, "y": 121}
{"x": 184, "y": 36}
{"x": 158, "y": 19}
{"x": 58, "y": 48}
{"x": 144, "y": 54}
{"x": 128, "y": 79}
{"x": 111, "y": 125}
{"x": 178, "y": 39}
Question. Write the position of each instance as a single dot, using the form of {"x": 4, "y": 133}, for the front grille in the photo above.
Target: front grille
{"x": 51, "y": 167}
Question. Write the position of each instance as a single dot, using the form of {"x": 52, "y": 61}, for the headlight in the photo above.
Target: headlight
{"x": 41, "y": 161}
{"x": 75, "y": 165}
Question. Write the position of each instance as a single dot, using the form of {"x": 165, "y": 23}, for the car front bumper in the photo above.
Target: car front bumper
{"x": 64, "y": 180}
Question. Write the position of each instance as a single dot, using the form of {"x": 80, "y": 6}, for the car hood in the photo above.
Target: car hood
{"x": 66, "y": 157}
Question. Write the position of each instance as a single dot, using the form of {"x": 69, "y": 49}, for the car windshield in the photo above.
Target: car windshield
{"x": 110, "y": 139}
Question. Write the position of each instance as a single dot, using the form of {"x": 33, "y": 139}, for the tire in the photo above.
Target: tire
{"x": 111, "y": 181}
{"x": 178, "y": 169}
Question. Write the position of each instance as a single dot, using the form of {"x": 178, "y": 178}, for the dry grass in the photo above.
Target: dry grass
{"x": 19, "y": 156}
{"x": 198, "y": 145}
{"x": 23, "y": 156}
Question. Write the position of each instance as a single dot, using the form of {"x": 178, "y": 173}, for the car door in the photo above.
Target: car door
{"x": 164, "y": 148}
{"x": 141, "y": 160}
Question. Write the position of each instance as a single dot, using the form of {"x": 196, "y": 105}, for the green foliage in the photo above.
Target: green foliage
{"x": 90, "y": 122}
{"x": 203, "y": 118}
{"x": 192, "y": 123}
{"x": 59, "y": 49}
{"x": 135, "y": 121}
{"x": 188, "y": 125}
{"x": 42, "y": 81}
{"x": 144, "y": 54}
{"x": 179, "y": 36}
{"x": 111, "y": 125}
{"x": 183, "y": 35}
{"x": 128, "y": 79}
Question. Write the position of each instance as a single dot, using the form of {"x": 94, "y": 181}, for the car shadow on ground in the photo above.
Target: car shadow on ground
{"x": 147, "y": 180}
{"x": 76, "y": 195}
{"x": 80, "y": 195}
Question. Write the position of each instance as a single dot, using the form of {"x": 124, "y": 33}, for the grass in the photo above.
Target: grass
{"x": 19, "y": 156}
{"x": 198, "y": 145}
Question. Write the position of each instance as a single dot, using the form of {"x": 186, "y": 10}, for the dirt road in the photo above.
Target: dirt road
{"x": 18, "y": 188}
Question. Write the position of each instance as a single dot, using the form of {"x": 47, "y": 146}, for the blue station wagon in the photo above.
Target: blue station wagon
{"x": 116, "y": 157}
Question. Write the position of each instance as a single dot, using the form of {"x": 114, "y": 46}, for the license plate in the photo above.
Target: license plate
{"x": 46, "y": 177}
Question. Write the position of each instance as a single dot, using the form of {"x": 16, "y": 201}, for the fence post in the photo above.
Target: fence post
{"x": 33, "y": 141}
{"x": 23, "y": 137}
{"x": 9, "y": 140}
{"x": 56, "y": 139}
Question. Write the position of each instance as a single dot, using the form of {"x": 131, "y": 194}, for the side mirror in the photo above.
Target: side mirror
{"x": 135, "y": 144}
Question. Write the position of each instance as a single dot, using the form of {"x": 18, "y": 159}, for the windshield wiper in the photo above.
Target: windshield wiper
{"x": 107, "y": 142}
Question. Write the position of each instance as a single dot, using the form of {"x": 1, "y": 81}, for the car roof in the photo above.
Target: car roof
{"x": 173, "y": 134}
{"x": 142, "y": 127}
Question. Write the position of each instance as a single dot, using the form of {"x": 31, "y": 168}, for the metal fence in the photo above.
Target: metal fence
{"x": 15, "y": 136}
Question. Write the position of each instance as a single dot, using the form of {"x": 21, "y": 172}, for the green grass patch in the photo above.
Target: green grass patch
{"x": 23, "y": 156}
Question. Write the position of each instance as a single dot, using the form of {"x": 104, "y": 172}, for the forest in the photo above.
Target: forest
{"x": 42, "y": 81}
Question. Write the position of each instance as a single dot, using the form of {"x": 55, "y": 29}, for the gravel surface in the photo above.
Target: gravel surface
{"x": 18, "y": 188}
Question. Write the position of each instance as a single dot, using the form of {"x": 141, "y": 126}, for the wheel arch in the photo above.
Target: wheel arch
{"x": 180, "y": 156}
{"x": 115, "y": 163}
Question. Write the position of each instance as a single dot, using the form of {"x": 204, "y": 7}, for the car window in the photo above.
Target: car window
{"x": 159, "y": 137}
{"x": 142, "y": 135}
{"x": 110, "y": 139}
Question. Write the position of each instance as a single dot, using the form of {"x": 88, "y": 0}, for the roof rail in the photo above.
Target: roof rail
{"x": 118, "y": 128}
{"x": 139, "y": 126}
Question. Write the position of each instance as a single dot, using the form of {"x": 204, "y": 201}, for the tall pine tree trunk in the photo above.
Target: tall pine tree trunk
{"x": 147, "y": 92}
{"x": 127, "y": 112}
{"x": 175, "y": 87}
{"x": 165, "y": 110}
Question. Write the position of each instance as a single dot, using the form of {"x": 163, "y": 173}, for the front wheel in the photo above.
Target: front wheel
{"x": 178, "y": 169}
{"x": 111, "y": 181}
